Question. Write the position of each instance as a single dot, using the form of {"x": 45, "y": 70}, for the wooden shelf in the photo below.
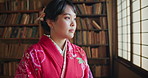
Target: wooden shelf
{"x": 94, "y": 16}
{"x": 6, "y": 76}
{"x": 9, "y": 59}
{"x": 20, "y": 40}
{"x": 102, "y": 77}
{"x": 21, "y": 11}
{"x": 93, "y": 45}
{"x": 88, "y": 2}
{"x": 98, "y": 61}
{"x": 19, "y": 25}
{"x": 91, "y": 30}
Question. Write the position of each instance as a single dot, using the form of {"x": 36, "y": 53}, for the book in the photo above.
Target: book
{"x": 94, "y": 23}
{"x": 105, "y": 71}
{"x": 94, "y": 52}
{"x": 1, "y": 32}
{"x": 98, "y": 71}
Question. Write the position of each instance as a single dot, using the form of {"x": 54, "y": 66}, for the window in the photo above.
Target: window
{"x": 133, "y": 31}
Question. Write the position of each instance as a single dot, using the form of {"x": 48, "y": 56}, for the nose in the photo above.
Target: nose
{"x": 73, "y": 23}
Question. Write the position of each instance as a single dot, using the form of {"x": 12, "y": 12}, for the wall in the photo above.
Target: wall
{"x": 120, "y": 71}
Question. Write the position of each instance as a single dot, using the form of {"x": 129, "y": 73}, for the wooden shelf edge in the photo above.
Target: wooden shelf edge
{"x": 21, "y": 11}
{"x": 87, "y": 2}
{"x": 6, "y": 76}
{"x": 20, "y": 25}
{"x": 19, "y": 38}
{"x": 92, "y": 30}
{"x": 92, "y": 45}
{"x": 99, "y": 61}
{"x": 9, "y": 59}
{"x": 94, "y": 15}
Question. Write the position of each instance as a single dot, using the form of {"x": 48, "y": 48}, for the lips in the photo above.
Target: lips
{"x": 72, "y": 30}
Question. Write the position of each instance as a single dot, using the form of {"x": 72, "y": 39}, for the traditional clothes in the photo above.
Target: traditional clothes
{"x": 46, "y": 60}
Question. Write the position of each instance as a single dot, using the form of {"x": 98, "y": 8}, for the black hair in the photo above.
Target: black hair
{"x": 53, "y": 9}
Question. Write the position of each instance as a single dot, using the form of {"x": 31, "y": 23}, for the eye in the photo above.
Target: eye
{"x": 66, "y": 17}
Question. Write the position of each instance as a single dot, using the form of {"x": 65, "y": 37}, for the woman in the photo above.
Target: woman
{"x": 54, "y": 56}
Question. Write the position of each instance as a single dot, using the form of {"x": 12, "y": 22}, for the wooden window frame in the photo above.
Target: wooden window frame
{"x": 129, "y": 64}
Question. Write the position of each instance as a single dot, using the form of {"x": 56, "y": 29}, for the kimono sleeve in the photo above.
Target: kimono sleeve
{"x": 27, "y": 67}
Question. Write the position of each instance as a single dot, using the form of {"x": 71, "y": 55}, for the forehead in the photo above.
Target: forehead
{"x": 69, "y": 10}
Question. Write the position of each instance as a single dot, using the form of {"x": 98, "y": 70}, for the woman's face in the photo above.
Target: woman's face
{"x": 65, "y": 25}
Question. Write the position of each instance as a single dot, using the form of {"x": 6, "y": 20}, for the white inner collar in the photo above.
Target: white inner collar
{"x": 59, "y": 49}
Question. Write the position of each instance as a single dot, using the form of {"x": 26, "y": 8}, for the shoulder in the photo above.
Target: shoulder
{"x": 80, "y": 53}
{"x": 34, "y": 54}
{"x": 35, "y": 46}
{"x": 32, "y": 50}
{"x": 78, "y": 50}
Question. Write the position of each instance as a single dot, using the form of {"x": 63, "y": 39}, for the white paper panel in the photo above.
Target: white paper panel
{"x": 124, "y": 4}
{"x": 129, "y": 57}
{"x": 125, "y": 29}
{"x": 136, "y": 49}
{"x": 119, "y": 8}
{"x": 128, "y": 20}
{"x": 136, "y": 60}
{"x": 129, "y": 38}
{"x": 125, "y": 46}
{"x": 136, "y": 5}
{"x": 118, "y": 2}
{"x": 145, "y": 13}
{"x": 119, "y": 31}
{"x": 119, "y": 52}
{"x": 144, "y": 51}
{"x": 145, "y": 26}
{"x": 145, "y": 38}
{"x": 136, "y": 16}
{"x": 128, "y": 10}
{"x": 124, "y": 13}
{"x": 145, "y": 63}
{"x": 133, "y": 0}
{"x": 124, "y": 38}
{"x": 119, "y": 23}
{"x": 119, "y": 16}
{"x": 119, "y": 38}
{"x": 129, "y": 29}
{"x": 136, "y": 38}
{"x": 136, "y": 27}
{"x": 119, "y": 45}
{"x": 125, "y": 54}
{"x": 124, "y": 21}
{"x": 144, "y": 3}
{"x": 129, "y": 47}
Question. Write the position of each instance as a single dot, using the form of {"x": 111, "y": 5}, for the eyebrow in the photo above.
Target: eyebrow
{"x": 68, "y": 14}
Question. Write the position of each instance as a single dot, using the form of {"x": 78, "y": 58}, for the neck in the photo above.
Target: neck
{"x": 59, "y": 41}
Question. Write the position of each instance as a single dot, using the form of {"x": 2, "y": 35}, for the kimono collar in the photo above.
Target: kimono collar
{"x": 59, "y": 49}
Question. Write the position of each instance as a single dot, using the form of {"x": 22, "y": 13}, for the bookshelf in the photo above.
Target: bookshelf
{"x": 92, "y": 35}
{"x": 18, "y": 30}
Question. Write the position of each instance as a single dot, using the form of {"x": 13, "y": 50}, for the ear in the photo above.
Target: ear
{"x": 50, "y": 23}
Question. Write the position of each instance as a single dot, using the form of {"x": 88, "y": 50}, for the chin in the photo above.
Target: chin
{"x": 70, "y": 36}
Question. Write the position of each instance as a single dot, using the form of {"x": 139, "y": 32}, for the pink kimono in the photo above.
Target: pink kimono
{"x": 43, "y": 60}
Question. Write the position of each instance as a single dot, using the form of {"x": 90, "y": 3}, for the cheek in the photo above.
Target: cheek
{"x": 62, "y": 27}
